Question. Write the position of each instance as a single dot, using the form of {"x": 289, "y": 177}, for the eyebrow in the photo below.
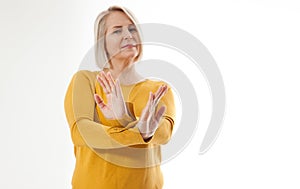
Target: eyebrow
{"x": 116, "y": 27}
{"x": 122, "y": 26}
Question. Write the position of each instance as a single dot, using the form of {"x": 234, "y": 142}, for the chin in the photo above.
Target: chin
{"x": 131, "y": 55}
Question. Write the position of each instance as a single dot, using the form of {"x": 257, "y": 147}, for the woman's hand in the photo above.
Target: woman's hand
{"x": 115, "y": 107}
{"x": 150, "y": 118}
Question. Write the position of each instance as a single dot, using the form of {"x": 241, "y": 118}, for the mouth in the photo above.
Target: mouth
{"x": 128, "y": 46}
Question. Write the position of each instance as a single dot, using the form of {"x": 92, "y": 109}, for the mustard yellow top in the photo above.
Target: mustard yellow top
{"x": 109, "y": 155}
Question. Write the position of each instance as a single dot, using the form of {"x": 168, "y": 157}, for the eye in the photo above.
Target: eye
{"x": 118, "y": 31}
{"x": 132, "y": 29}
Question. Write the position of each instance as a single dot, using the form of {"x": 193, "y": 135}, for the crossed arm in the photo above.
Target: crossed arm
{"x": 80, "y": 106}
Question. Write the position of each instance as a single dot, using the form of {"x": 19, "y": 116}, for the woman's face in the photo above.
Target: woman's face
{"x": 122, "y": 40}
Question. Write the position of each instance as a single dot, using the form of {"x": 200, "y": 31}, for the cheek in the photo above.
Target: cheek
{"x": 138, "y": 41}
{"x": 112, "y": 44}
{"x": 136, "y": 38}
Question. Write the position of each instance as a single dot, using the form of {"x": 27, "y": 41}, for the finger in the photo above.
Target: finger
{"x": 164, "y": 90}
{"x": 146, "y": 111}
{"x": 111, "y": 82}
{"x": 148, "y": 105}
{"x": 160, "y": 91}
{"x": 151, "y": 108}
{"x": 99, "y": 101}
{"x": 160, "y": 113}
{"x": 105, "y": 81}
{"x": 150, "y": 97}
{"x": 100, "y": 80}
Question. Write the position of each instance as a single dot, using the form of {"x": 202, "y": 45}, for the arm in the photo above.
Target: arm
{"x": 80, "y": 106}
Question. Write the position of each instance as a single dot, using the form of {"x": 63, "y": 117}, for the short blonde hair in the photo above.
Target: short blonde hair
{"x": 101, "y": 55}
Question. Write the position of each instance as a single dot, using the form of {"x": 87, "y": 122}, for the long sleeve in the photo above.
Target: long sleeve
{"x": 140, "y": 97}
{"x": 80, "y": 107}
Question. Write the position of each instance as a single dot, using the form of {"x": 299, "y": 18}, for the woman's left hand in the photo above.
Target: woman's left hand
{"x": 150, "y": 119}
{"x": 115, "y": 107}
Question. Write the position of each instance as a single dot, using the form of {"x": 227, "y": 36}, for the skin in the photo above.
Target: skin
{"x": 121, "y": 32}
{"x": 121, "y": 45}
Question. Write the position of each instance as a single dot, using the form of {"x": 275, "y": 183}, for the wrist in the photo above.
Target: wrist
{"x": 144, "y": 131}
{"x": 121, "y": 120}
{"x": 125, "y": 119}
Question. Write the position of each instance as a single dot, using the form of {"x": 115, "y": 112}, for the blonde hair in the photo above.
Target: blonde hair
{"x": 101, "y": 55}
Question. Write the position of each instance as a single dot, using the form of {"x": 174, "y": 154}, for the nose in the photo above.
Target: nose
{"x": 127, "y": 34}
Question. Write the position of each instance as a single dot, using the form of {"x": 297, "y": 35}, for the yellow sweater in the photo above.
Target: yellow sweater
{"x": 109, "y": 155}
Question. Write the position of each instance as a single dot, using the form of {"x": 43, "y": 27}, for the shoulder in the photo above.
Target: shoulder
{"x": 85, "y": 75}
{"x": 153, "y": 84}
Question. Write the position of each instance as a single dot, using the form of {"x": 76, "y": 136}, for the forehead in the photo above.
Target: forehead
{"x": 117, "y": 18}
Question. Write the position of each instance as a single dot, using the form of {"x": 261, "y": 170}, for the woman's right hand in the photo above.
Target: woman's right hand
{"x": 115, "y": 107}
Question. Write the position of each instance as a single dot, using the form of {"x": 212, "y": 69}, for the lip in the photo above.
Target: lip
{"x": 128, "y": 46}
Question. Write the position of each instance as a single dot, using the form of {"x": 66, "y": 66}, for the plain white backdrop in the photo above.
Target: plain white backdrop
{"x": 255, "y": 43}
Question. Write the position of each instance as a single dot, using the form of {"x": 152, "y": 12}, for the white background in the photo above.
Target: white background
{"x": 255, "y": 44}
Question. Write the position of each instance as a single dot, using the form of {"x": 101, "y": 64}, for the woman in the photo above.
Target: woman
{"x": 117, "y": 118}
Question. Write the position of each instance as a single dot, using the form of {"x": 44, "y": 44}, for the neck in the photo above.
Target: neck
{"x": 125, "y": 72}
